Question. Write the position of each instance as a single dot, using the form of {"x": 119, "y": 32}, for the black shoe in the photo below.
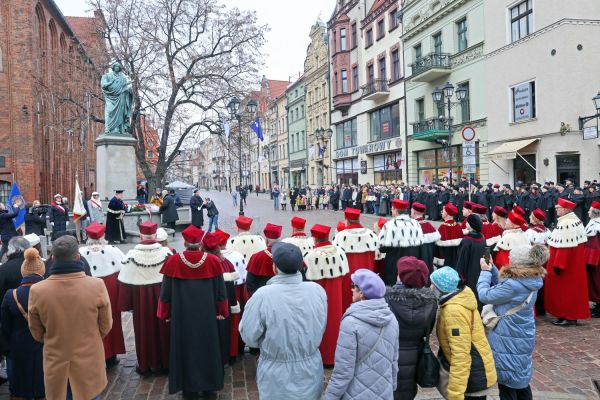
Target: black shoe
{"x": 209, "y": 395}
{"x": 112, "y": 362}
{"x": 191, "y": 395}
{"x": 595, "y": 311}
{"x": 254, "y": 351}
{"x": 564, "y": 322}
{"x": 3, "y": 380}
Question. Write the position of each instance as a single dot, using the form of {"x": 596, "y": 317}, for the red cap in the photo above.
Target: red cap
{"x": 519, "y": 210}
{"x": 340, "y": 226}
{"x": 540, "y": 215}
{"x": 353, "y": 214}
{"x": 501, "y": 212}
{"x": 320, "y": 231}
{"x": 400, "y": 204}
{"x": 222, "y": 236}
{"x": 298, "y": 222}
{"x": 451, "y": 209}
{"x": 192, "y": 235}
{"x": 497, "y": 186}
{"x": 418, "y": 207}
{"x": 243, "y": 222}
{"x": 148, "y": 228}
{"x": 210, "y": 241}
{"x": 566, "y": 203}
{"x": 95, "y": 230}
{"x": 479, "y": 209}
{"x": 381, "y": 222}
{"x": 468, "y": 205}
{"x": 516, "y": 218}
{"x": 596, "y": 205}
{"x": 272, "y": 231}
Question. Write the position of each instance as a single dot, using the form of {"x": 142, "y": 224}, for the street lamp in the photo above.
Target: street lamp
{"x": 267, "y": 153}
{"x": 234, "y": 106}
{"x": 323, "y": 136}
{"x": 583, "y": 120}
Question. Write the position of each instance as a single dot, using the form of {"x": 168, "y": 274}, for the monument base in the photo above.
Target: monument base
{"x": 116, "y": 166}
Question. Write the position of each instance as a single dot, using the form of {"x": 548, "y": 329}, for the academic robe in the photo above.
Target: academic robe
{"x": 433, "y": 206}
{"x": 592, "y": 258}
{"x": 228, "y": 328}
{"x": 470, "y": 251}
{"x": 327, "y": 265}
{"x": 430, "y": 237}
{"x": 260, "y": 270}
{"x": 510, "y": 239}
{"x": 401, "y": 236}
{"x": 539, "y": 234}
{"x": 105, "y": 263}
{"x": 192, "y": 295}
{"x": 446, "y": 251}
{"x": 359, "y": 245}
{"x": 139, "y": 291}
{"x": 492, "y": 232}
{"x": 566, "y": 294}
{"x": 305, "y": 243}
{"x": 246, "y": 244}
{"x": 115, "y": 228}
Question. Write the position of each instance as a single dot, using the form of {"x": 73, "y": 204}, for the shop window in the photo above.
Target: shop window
{"x": 345, "y": 134}
{"x": 388, "y": 168}
{"x": 567, "y": 167}
{"x": 385, "y": 123}
{"x": 347, "y": 171}
{"x": 433, "y": 165}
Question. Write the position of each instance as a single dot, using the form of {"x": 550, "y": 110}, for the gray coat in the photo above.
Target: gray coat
{"x": 168, "y": 210}
{"x": 286, "y": 320}
{"x": 375, "y": 377}
{"x": 96, "y": 214}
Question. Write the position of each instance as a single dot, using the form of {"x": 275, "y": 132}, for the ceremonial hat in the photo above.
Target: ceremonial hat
{"x": 565, "y": 203}
{"x": 399, "y": 204}
{"x": 148, "y": 228}
{"x": 412, "y": 272}
{"x": 210, "y": 241}
{"x": 161, "y": 235}
{"x": 320, "y": 231}
{"x": 418, "y": 207}
{"x": 500, "y": 211}
{"x": 497, "y": 186}
{"x": 479, "y": 209}
{"x": 287, "y": 257}
{"x": 596, "y": 205}
{"x": 516, "y": 218}
{"x": 272, "y": 231}
{"x": 450, "y": 209}
{"x": 95, "y": 230}
{"x": 539, "y": 214}
{"x": 340, "y": 226}
{"x": 352, "y": 214}
{"x": 381, "y": 222}
{"x": 118, "y": 191}
{"x": 298, "y": 223}
{"x": 192, "y": 235}
{"x": 369, "y": 283}
{"x": 474, "y": 222}
{"x": 519, "y": 210}
{"x": 32, "y": 264}
{"x": 223, "y": 236}
{"x": 468, "y": 205}
{"x": 243, "y": 222}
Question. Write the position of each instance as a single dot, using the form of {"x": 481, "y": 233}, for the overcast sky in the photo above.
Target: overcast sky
{"x": 290, "y": 23}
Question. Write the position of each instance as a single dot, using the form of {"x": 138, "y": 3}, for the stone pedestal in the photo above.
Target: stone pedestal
{"x": 116, "y": 166}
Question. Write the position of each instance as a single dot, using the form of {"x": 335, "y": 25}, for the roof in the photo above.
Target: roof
{"x": 376, "y": 5}
{"x": 277, "y": 88}
{"x": 84, "y": 28}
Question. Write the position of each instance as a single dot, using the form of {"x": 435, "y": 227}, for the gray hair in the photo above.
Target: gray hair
{"x": 65, "y": 248}
{"x": 595, "y": 213}
{"x": 17, "y": 244}
{"x": 193, "y": 246}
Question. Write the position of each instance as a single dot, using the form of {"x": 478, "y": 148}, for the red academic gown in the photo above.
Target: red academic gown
{"x": 492, "y": 232}
{"x": 592, "y": 259}
{"x": 446, "y": 251}
{"x": 318, "y": 262}
{"x": 566, "y": 294}
{"x": 360, "y": 254}
{"x": 259, "y": 271}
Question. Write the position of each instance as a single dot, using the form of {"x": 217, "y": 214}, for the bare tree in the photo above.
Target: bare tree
{"x": 185, "y": 59}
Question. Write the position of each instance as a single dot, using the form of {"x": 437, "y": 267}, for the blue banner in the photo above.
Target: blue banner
{"x": 15, "y": 198}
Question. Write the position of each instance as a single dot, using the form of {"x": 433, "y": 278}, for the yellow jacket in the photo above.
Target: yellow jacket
{"x": 465, "y": 351}
{"x": 156, "y": 200}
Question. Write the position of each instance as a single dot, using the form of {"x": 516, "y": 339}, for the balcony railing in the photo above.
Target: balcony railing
{"x": 431, "y": 67}
{"x": 430, "y": 129}
{"x": 376, "y": 88}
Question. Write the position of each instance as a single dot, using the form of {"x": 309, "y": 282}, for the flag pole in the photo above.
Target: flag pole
{"x": 77, "y": 222}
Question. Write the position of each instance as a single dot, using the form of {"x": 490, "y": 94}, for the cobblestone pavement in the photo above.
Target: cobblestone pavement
{"x": 566, "y": 361}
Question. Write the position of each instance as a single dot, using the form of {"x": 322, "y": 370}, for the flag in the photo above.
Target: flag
{"x": 226, "y": 128}
{"x": 78, "y": 207}
{"x": 257, "y": 129}
{"x": 15, "y": 198}
{"x": 321, "y": 150}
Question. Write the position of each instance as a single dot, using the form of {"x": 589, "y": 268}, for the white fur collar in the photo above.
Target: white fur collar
{"x": 143, "y": 263}
{"x": 239, "y": 263}
{"x": 247, "y": 244}
{"x": 304, "y": 243}
{"x": 326, "y": 262}
{"x": 569, "y": 232}
{"x": 356, "y": 240}
{"x": 593, "y": 227}
{"x": 512, "y": 238}
{"x": 536, "y": 237}
{"x": 401, "y": 231}
{"x": 103, "y": 260}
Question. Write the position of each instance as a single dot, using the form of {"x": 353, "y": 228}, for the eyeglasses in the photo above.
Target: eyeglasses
{"x": 355, "y": 287}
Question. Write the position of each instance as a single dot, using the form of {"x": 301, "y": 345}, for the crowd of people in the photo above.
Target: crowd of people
{"x": 361, "y": 301}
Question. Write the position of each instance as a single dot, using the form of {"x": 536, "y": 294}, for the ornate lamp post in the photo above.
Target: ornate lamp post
{"x": 583, "y": 120}
{"x": 323, "y": 136}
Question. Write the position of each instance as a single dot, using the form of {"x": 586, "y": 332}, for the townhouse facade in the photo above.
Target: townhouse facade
{"x": 297, "y": 133}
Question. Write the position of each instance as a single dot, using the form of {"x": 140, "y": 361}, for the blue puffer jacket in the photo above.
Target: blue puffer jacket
{"x": 513, "y": 339}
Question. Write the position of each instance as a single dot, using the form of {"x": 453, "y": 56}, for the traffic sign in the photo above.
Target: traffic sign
{"x": 470, "y": 159}
{"x": 469, "y": 169}
{"x": 468, "y": 133}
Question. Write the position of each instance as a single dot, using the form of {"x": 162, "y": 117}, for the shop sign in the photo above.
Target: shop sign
{"x": 376, "y": 147}
{"x": 363, "y": 167}
{"x": 523, "y": 102}
{"x": 297, "y": 164}
{"x": 590, "y": 132}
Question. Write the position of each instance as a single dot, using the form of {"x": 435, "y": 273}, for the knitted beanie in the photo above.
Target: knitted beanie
{"x": 33, "y": 264}
{"x": 446, "y": 279}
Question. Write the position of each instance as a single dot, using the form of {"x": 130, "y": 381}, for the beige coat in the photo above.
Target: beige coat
{"x": 70, "y": 314}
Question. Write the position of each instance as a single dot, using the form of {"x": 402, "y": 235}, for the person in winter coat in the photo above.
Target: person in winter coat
{"x": 35, "y": 219}
{"x": 169, "y": 210}
{"x": 58, "y": 215}
{"x": 7, "y": 228}
{"x": 470, "y": 251}
{"x": 196, "y": 207}
{"x": 414, "y": 305}
{"x": 286, "y": 320}
{"x": 25, "y": 369}
{"x": 212, "y": 213}
{"x": 467, "y": 369}
{"x": 10, "y": 271}
{"x": 366, "y": 356}
{"x": 513, "y": 339}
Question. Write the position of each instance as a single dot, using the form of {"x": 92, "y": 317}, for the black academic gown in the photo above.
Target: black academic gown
{"x": 392, "y": 255}
{"x": 468, "y": 266}
{"x": 115, "y": 228}
{"x": 197, "y": 211}
{"x": 433, "y": 206}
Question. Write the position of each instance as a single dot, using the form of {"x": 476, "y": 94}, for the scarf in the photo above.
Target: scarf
{"x": 59, "y": 207}
{"x": 96, "y": 204}
{"x": 66, "y": 267}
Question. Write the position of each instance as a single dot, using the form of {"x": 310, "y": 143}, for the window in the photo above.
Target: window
{"x": 343, "y": 39}
{"x": 437, "y": 43}
{"x": 387, "y": 167}
{"x": 465, "y": 107}
{"x": 4, "y": 191}
{"x": 354, "y": 40}
{"x": 2, "y": 162}
{"x": 380, "y": 29}
{"x": 521, "y": 20}
{"x": 302, "y": 111}
{"x": 344, "y": 81}
{"x": 150, "y": 154}
{"x": 434, "y": 165}
{"x": 394, "y": 19}
{"x": 418, "y": 52}
{"x": 382, "y": 71}
{"x": 370, "y": 73}
{"x": 345, "y": 134}
{"x": 522, "y": 171}
{"x": 461, "y": 32}
{"x": 335, "y": 84}
{"x": 523, "y": 101}
{"x": 420, "y": 109}
{"x": 302, "y": 141}
{"x": 334, "y": 39}
{"x": 369, "y": 38}
{"x": 355, "y": 78}
{"x": 395, "y": 65}
{"x": 385, "y": 123}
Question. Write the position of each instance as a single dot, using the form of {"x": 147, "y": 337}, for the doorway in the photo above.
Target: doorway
{"x": 523, "y": 172}
{"x": 567, "y": 167}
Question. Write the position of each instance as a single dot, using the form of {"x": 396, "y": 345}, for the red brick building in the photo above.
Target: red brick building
{"x": 50, "y": 68}
{"x": 151, "y": 145}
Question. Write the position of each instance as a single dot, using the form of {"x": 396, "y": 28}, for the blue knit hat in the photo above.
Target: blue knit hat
{"x": 369, "y": 283}
{"x": 446, "y": 279}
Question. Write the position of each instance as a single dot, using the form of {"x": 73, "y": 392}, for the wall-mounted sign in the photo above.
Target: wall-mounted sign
{"x": 522, "y": 101}
{"x": 375, "y": 147}
{"x": 591, "y": 132}
{"x": 363, "y": 167}
{"x": 468, "y": 133}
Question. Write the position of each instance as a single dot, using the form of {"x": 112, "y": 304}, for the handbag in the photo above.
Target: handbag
{"x": 491, "y": 319}
{"x": 428, "y": 367}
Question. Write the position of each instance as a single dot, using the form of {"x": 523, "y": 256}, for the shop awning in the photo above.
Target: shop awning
{"x": 510, "y": 150}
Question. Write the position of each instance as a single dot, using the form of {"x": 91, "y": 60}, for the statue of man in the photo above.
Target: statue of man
{"x": 118, "y": 98}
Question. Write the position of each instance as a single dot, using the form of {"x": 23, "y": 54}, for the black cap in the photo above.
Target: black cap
{"x": 287, "y": 257}
{"x": 119, "y": 191}
{"x": 195, "y": 190}
{"x": 475, "y": 222}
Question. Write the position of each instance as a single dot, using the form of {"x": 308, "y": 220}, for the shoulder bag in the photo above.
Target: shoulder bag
{"x": 428, "y": 366}
{"x": 372, "y": 349}
{"x": 490, "y": 318}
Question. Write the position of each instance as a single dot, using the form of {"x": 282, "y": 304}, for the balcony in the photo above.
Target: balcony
{"x": 375, "y": 89}
{"x": 342, "y": 101}
{"x": 430, "y": 129}
{"x": 431, "y": 67}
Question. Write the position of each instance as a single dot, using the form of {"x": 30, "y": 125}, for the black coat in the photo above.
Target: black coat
{"x": 10, "y": 273}
{"x": 392, "y": 255}
{"x": 59, "y": 218}
{"x": 211, "y": 209}
{"x": 415, "y": 310}
{"x": 7, "y": 229}
{"x": 470, "y": 251}
{"x": 35, "y": 223}
{"x": 168, "y": 210}
{"x": 197, "y": 211}
{"x": 115, "y": 228}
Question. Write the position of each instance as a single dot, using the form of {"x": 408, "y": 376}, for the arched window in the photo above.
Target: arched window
{"x": 42, "y": 44}
{"x": 4, "y": 191}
